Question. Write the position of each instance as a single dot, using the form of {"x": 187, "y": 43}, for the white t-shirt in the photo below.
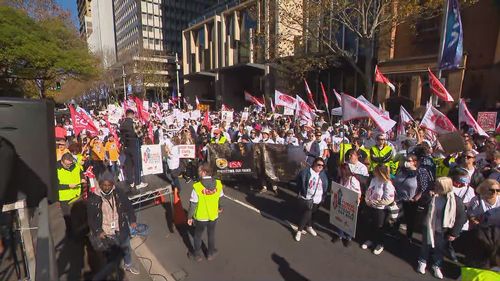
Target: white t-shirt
{"x": 173, "y": 156}
{"x": 314, "y": 188}
{"x": 466, "y": 193}
{"x": 359, "y": 169}
{"x": 353, "y": 184}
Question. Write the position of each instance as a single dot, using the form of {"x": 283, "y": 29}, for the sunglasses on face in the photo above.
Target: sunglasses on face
{"x": 494, "y": 190}
{"x": 470, "y": 157}
{"x": 320, "y": 165}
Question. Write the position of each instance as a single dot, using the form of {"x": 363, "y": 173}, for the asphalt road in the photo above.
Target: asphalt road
{"x": 254, "y": 246}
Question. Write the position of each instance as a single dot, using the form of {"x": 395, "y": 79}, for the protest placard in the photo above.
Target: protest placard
{"x": 487, "y": 120}
{"x": 151, "y": 159}
{"x": 244, "y": 116}
{"x": 227, "y": 116}
{"x": 452, "y": 142}
{"x": 187, "y": 151}
{"x": 344, "y": 209}
{"x": 288, "y": 111}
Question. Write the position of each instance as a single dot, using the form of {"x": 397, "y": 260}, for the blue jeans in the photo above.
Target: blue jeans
{"x": 127, "y": 257}
{"x": 437, "y": 252}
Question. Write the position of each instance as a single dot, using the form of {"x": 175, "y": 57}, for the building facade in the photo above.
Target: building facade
{"x": 415, "y": 48}
{"x": 84, "y": 17}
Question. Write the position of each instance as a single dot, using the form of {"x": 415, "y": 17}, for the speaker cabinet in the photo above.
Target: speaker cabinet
{"x": 28, "y": 126}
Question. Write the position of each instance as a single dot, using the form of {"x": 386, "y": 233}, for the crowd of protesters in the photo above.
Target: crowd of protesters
{"x": 404, "y": 182}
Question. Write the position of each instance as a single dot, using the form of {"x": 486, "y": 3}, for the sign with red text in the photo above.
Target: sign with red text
{"x": 187, "y": 151}
{"x": 151, "y": 159}
{"x": 344, "y": 209}
{"x": 487, "y": 120}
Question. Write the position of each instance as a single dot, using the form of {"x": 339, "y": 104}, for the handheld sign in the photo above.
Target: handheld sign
{"x": 151, "y": 159}
{"x": 344, "y": 209}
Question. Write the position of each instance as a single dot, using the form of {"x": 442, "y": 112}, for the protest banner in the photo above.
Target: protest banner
{"x": 187, "y": 151}
{"x": 232, "y": 160}
{"x": 344, "y": 209}
{"x": 487, "y": 120}
{"x": 452, "y": 142}
{"x": 227, "y": 116}
{"x": 151, "y": 159}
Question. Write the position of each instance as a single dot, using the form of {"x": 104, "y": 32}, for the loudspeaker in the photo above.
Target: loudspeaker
{"x": 27, "y": 129}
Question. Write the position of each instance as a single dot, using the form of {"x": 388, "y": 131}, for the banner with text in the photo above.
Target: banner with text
{"x": 344, "y": 209}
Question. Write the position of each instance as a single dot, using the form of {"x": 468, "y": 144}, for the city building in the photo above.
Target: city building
{"x": 84, "y": 17}
{"x": 415, "y": 48}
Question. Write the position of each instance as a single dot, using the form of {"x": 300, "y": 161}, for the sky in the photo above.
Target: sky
{"x": 71, "y": 6}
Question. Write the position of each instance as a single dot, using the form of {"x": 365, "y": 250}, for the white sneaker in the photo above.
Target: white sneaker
{"x": 132, "y": 185}
{"x": 437, "y": 272}
{"x": 264, "y": 189}
{"x": 298, "y": 235}
{"x": 141, "y": 185}
{"x": 366, "y": 245}
{"x": 421, "y": 267}
{"x": 378, "y": 250}
{"x": 311, "y": 230}
{"x": 304, "y": 232}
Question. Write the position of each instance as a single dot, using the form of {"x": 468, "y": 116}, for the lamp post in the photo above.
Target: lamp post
{"x": 124, "y": 84}
{"x": 177, "y": 69}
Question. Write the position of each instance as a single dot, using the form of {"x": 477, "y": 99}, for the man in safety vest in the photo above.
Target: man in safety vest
{"x": 381, "y": 152}
{"x": 218, "y": 138}
{"x": 70, "y": 181}
{"x": 204, "y": 210}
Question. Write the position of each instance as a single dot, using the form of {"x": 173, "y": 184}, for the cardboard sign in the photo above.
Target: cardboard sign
{"x": 288, "y": 111}
{"x": 452, "y": 142}
{"x": 187, "y": 151}
{"x": 487, "y": 120}
{"x": 227, "y": 116}
{"x": 244, "y": 116}
{"x": 344, "y": 209}
{"x": 151, "y": 159}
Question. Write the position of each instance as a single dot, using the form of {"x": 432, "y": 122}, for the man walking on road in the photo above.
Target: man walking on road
{"x": 204, "y": 209}
{"x": 131, "y": 134}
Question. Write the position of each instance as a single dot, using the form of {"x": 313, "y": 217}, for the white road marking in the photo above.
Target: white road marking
{"x": 286, "y": 223}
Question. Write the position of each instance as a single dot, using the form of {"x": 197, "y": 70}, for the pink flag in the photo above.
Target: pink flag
{"x": 404, "y": 119}
{"x": 310, "y": 95}
{"x": 435, "y": 121}
{"x": 379, "y": 77}
{"x": 339, "y": 98}
{"x": 438, "y": 89}
{"x": 465, "y": 116}
{"x": 325, "y": 98}
{"x": 284, "y": 99}
{"x": 254, "y": 100}
{"x": 82, "y": 121}
{"x": 355, "y": 109}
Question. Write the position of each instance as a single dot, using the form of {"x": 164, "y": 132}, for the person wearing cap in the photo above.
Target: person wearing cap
{"x": 266, "y": 133}
{"x": 218, "y": 138}
{"x": 381, "y": 152}
{"x": 110, "y": 217}
{"x": 70, "y": 180}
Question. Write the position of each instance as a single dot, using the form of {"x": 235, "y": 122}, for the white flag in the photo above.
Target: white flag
{"x": 337, "y": 95}
{"x": 303, "y": 111}
{"x": 354, "y": 109}
{"x": 435, "y": 121}
{"x": 465, "y": 116}
{"x": 284, "y": 100}
{"x": 404, "y": 119}
{"x": 379, "y": 109}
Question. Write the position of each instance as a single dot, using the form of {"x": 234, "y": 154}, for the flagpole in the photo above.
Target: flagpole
{"x": 434, "y": 100}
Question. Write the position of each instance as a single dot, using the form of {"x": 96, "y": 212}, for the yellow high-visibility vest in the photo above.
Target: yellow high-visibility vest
{"x": 207, "y": 208}
{"x": 375, "y": 152}
{"x": 69, "y": 177}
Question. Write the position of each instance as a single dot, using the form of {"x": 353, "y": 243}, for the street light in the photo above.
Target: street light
{"x": 177, "y": 69}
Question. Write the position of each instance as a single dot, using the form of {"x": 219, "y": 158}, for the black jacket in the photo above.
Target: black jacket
{"x": 125, "y": 212}
{"x": 127, "y": 132}
{"x": 303, "y": 182}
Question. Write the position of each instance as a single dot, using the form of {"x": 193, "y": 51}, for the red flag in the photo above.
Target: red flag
{"x": 379, "y": 77}
{"x": 151, "y": 133}
{"x": 206, "y": 121}
{"x": 254, "y": 100}
{"x": 310, "y": 95}
{"x": 355, "y": 109}
{"x": 141, "y": 111}
{"x": 435, "y": 121}
{"x": 465, "y": 116}
{"x": 324, "y": 95}
{"x": 82, "y": 121}
{"x": 438, "y": 89}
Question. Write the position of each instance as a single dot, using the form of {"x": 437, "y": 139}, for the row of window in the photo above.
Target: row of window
{"x": 126, "y": 26}
{"x": 124, "y": 7}
{"x": 150, "y": 8}
{"x": 131, "y": 33}
{"x": 148, "y": 19}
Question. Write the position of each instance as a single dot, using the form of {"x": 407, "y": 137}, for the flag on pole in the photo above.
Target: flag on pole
{"x": 272, "y": 105}
{"x": 379, "y": 77}
{"x": 404, "y": 119}
{"x": 310, "y": 96}
{"x": 325, "y": 98}
{"x": 435, "y": 121}
{"x": 339, "y": 98}
{"x": 197, "y": 102}
{"x": 353, "y": 108}
{"x": 142, "y": 113}
{"x": 303, "y": 111}
{"x": 378, "y": 110}
{"x": 206, "y": 121}
{"x": 438, "y": 89}
{"x": 82, "y": 121}
{"x": 452, "y": 48}
{"x": 284, "y": 100}
{"x": 465, "y": 116}
{"x": 254, "y": 100}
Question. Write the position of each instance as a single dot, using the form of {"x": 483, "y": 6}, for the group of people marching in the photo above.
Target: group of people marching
{"x": 404, "y": 181}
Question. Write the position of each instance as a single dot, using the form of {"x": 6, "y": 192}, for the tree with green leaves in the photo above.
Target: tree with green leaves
{"x": 38, "y": 53}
